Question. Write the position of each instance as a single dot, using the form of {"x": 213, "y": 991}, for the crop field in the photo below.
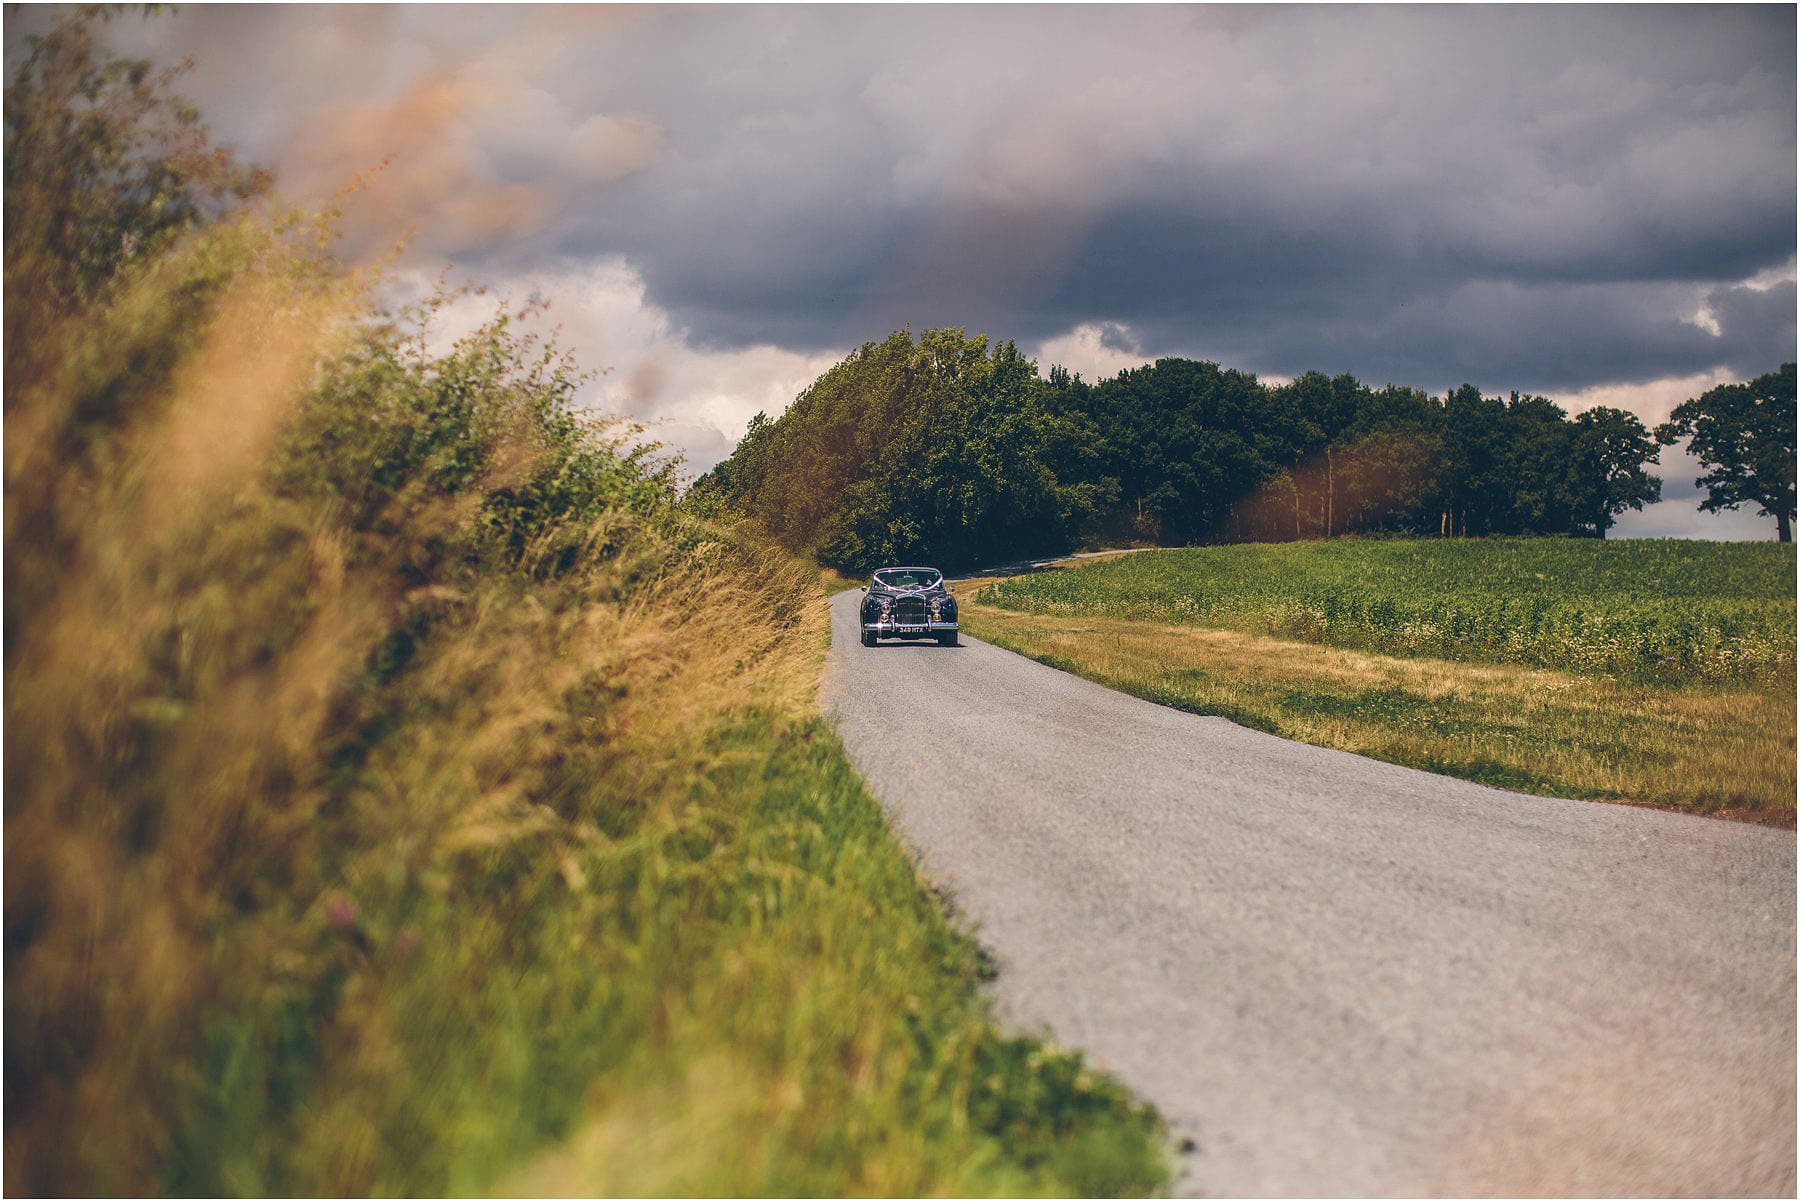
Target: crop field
{"x": 1660, "y": 611}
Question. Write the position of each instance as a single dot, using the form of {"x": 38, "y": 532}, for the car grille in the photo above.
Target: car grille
{"x": 910, "y": 611}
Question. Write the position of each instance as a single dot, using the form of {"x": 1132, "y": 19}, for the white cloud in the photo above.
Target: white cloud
{"x": 1651, "y": 401}
{"x": 696, "y": 401}
{"x": 1094, "y": 350}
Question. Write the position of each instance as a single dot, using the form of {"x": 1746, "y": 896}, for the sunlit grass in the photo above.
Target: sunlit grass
{"x": 1726, "y": 749}
{"x": 1656, "y": 609}
{"x": 834, "y": 581}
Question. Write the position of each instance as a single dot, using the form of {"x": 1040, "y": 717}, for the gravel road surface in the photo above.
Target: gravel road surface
{"x": 1337, "y": 976}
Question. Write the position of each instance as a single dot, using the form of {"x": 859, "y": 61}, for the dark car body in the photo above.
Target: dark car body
{"x": 908, "y": 603}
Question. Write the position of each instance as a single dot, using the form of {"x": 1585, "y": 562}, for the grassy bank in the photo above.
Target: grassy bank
{"x": 749, "y": 993}
{"x": 1662, "y": 610}
{"x": 1720, "y": 746}
{"x": 423, "y": 803}
{"x": 406, "y": 794}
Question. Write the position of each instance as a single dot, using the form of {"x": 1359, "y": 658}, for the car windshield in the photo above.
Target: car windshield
{"x": 908, "y": 577}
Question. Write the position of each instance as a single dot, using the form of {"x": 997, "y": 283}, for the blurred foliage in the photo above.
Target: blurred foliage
{"x": 128, "y": 160}
{"x": 404, "y": 794}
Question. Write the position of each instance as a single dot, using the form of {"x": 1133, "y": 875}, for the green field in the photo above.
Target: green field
{"x": 1665, "y": 611}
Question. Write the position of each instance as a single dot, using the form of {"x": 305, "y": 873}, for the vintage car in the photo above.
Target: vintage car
{"x": 908, "y": 603}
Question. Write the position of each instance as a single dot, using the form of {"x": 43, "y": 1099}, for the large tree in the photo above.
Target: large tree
{"x": 945, "y": 449}
{"x": 1606, "y": 469}
{"x": 1743, "y": 435}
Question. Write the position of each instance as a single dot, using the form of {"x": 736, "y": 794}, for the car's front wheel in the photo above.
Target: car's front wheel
{"x": 868, "y": 638}
{"x": 946, "y": 638}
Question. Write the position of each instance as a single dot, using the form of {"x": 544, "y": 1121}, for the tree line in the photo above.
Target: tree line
{"x": 951, "y": 449}
{"x": 1199, "y": 453}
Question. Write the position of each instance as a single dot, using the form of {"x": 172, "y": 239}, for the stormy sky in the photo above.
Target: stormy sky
{"x": 1593, "y": 203}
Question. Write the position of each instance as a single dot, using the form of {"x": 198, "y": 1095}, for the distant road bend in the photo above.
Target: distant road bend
{"x": 1338, "y": 976}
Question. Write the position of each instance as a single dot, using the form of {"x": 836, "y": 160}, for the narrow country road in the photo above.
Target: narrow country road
{"x": 1337, "y": 976}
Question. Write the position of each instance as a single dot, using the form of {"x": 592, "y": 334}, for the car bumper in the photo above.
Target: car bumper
{"x": 891, "y": 627}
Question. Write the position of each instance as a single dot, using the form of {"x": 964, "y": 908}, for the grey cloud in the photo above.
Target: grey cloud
{"x": 1533, "y": 197}
{"x": 1115, "y": 337}
{"x": 1757, "y": 325}
{"x": 1547, "y": 177}
{"x": 1536, "y": 337}
{"x": 1680, "y": 471}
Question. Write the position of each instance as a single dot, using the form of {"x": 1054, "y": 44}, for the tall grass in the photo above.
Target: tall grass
{"x": 1653, "y": 610}
{"x": 404, "y": 795}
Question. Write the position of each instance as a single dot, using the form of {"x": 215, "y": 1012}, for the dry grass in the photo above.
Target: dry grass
{"x": 834, "y": 581}
{"x": 1726, "y": 751}
{"x": 398, "y": 784}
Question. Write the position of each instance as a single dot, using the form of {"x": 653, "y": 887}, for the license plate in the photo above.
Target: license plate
{"x": 912, "y": 630}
